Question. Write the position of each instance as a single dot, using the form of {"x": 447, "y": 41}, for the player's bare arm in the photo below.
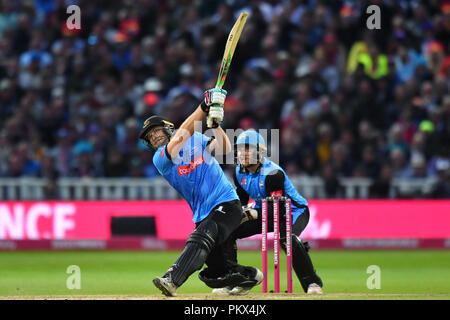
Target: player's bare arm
{"x": 221, "y": 144}
{"x": 184, "y": 132}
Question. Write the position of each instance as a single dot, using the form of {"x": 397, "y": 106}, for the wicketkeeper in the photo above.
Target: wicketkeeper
{"x": 184, "y": 159}
{"x": 256, "y": 177}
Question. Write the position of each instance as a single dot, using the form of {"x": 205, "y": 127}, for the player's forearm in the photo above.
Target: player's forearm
{"x": 189, "y": 124}
{"x": 185, "y": 131}
{"x": 222, "y": 138}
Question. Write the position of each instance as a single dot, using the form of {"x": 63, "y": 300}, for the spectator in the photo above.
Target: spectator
{"x": 30, "y": 165}
{"x": 358, "y": 49}
{"x": 349, "y": 101}
{"x": 341, "y": 161}
{"x": 62, "y": 152}
{"x": 396, "y": 139}
{"x": 8, "y": 17}
{"x": 417, "y": 168}
{"x": 332, "y": 185}
{"x": 116, "y": 165}
{"x": 418, "y": 145}
{"x": 442, "y": 188}
{"x": 406, "y": 61}
{"x": 51, "y": 190}
{"x": 309, "y": 164}
{"x": 304, "y": 102}
{"x": 370, "y": 162}
{"x": 325, "y": 137}
{"x": 435, "y": 55}
{"x": 399, "y": 163}
{"x": 48, "y": 169}
{"x": 374, "y": 63}
{"x": 7, "y": 99}
{"x": 381, "y": 186}
{"x": 290, "y": 146}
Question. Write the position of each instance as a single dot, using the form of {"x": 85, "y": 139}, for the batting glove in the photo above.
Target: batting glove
{"x": 215, "y": 116}
{"x": 213, "y": 105}
{"x": 215, "y": 96}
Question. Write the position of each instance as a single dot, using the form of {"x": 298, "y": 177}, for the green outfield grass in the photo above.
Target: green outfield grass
{"x": 404, "y": 274}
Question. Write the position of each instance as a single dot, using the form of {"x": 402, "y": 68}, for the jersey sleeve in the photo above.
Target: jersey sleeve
{"x": 244, "y": 197}
{"x": 274, "y": 183}
{"x": 162, "y": 160}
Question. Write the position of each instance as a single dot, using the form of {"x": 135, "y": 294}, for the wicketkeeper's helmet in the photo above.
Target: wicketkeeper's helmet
{"x": 252, "y": 138}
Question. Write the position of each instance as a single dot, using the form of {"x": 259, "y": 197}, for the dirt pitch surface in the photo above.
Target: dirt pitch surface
{"x": 252, "y": 296}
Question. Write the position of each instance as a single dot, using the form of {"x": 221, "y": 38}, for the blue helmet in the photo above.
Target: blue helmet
{"x": 252, "y": 138}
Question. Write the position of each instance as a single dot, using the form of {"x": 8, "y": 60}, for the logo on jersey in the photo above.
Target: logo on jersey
{"x": 276, "y": 194}
{"x": 183, "y": 170}
{"x": 243, "y": 182}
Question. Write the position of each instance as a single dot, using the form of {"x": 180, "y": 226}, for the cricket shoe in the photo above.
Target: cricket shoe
{"x": 166, "y": 286}
{"x": 224, "y": 290}
{"x": 241, "y": 291}
{"x": 314, "y": 288}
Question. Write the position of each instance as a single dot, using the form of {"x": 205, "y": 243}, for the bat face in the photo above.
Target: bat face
{"x": 230, "y": 47}
{"x": 224, "y": 67}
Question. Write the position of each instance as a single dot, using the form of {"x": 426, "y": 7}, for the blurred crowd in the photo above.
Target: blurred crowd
{"x": 349, "y": 101}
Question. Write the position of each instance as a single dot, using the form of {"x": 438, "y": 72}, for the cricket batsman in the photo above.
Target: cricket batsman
{"x": 256, "y": 177}
{"x": 184, "y": 158}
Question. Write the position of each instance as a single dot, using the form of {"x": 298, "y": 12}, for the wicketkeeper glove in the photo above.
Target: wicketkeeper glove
{"x": 249, "y": 214}
{"x": 213, "y": 106}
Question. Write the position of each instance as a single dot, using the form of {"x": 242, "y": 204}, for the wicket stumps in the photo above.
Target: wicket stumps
{"x": 276, "y": 241}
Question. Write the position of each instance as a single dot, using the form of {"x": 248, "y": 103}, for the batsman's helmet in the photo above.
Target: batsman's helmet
{"x": 153, "y": 121}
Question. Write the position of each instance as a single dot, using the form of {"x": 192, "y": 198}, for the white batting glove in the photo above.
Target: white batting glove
{"x": 215, "y": 116}
{"x": 213, "y": 105}
{"x": 215, "y": 96}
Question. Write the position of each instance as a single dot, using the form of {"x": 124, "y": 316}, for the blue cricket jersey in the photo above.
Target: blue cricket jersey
{"x": 196, "y": 175}
{"x": 254, "y": 185}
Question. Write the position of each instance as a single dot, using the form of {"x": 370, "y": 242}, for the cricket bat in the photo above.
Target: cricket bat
{"x": 230, "y": 47}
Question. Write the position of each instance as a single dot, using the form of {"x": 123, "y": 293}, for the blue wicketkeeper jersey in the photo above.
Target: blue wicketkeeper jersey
{"x": 254, "y": 184}
{"x": 196, "y": 175}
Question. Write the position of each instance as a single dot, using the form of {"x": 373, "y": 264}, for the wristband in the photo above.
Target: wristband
{"x": 204, "y": 107}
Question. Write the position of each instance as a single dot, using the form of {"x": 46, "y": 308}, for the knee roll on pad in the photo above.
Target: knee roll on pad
{"x": 205, "y": 234}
